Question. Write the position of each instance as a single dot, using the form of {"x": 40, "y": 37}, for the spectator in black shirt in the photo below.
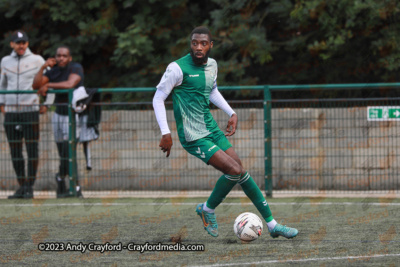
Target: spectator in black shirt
{"x": 64, "y": 74}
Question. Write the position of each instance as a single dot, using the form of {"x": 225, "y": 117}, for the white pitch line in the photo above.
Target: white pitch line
{"x": 191, "y": 204}
{"x": 301, "y": 260}
{"x": 337, "y": 203}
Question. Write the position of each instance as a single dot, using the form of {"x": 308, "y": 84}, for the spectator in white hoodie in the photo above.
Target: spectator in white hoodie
{"x": 21, "y": 111}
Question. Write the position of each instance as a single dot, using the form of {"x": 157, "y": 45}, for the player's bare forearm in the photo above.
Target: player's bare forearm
{"x": 72, "y": 81}
{"x": 166, "y": 143}
{"x": 232, "y": 125}
{"x": 61, "y": 85}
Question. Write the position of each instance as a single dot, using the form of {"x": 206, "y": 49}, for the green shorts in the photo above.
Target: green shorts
{"x": 205, "y": 147}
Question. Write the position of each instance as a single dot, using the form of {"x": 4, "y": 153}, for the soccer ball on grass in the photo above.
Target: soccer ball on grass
{"x": 248, "y": 226}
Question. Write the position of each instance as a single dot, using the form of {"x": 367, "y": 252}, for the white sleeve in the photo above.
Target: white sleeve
{"x": 217, "y": 99}
{"x": 172, "y": 77}
{"x": 159, "y": 110}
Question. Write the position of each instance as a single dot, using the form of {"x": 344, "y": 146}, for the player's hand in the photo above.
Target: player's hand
{"x": 50, "y": 62}
{"x": 2, "y": 109}
{"x": 42, "y": 109}
{"x": 166, "y": 143}
{"x": 43, "y": 90}
{"x": 232, "y": 125}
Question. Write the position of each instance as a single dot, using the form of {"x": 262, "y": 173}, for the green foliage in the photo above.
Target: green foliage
{"x": 362, "y": 32}
{"x": 128, "y": 43}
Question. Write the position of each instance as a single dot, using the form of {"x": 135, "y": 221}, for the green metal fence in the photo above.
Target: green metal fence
{"x": 290, "y": 145}
{"x": 332, "y": 145}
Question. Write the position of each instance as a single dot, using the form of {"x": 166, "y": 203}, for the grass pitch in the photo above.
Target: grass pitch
{"x": 332, "y": 232}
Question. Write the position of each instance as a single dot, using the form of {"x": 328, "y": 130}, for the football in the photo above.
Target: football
{"x": 248, "y": 226}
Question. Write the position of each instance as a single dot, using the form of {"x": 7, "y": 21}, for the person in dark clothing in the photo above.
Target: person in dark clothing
{"x": 64, "y": 74}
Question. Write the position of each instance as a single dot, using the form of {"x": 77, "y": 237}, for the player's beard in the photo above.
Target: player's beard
{"x": 199, "y": 61}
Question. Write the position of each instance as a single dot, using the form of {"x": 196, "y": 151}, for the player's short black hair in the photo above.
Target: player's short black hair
{"x": 201, "y": 30}
{"x": 66, "y": 47}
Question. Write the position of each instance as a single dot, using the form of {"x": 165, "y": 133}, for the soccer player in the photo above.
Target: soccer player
{"x": 192, "y": 82}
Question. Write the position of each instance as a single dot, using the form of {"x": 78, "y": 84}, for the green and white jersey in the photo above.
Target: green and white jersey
{"x": 191, "y": 86}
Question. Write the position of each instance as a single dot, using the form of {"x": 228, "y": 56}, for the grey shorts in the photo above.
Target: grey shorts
{"x": 60, "y": 127}
{"x": 86, "y": 133}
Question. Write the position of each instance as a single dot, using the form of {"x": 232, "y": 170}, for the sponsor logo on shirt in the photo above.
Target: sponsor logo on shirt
{"x": 193, "y": 75}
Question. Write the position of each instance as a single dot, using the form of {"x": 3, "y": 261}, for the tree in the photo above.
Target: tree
{"x": 128, "y": 43}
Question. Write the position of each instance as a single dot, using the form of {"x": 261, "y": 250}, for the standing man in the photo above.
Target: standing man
{"x": 192, "y": 80}
{"x": 21, "y": 110}
{"x": 64, "y": 74}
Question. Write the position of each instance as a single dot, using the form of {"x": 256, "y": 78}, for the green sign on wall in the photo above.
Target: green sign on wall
{"x": 383, "y": 113}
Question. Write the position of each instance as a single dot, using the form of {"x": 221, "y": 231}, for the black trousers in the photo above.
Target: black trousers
{"x": 19, "y": 126}
{"x": 63, "y": 152}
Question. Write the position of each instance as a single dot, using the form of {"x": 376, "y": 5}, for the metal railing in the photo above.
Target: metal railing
{"x": 291, "y": 144}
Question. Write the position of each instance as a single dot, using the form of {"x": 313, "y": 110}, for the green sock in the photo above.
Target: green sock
{"x": 252, "y": 191}
{"x": 222, "y": 188}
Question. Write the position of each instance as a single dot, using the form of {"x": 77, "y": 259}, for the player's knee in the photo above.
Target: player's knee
{"x": 237, "y": 169}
